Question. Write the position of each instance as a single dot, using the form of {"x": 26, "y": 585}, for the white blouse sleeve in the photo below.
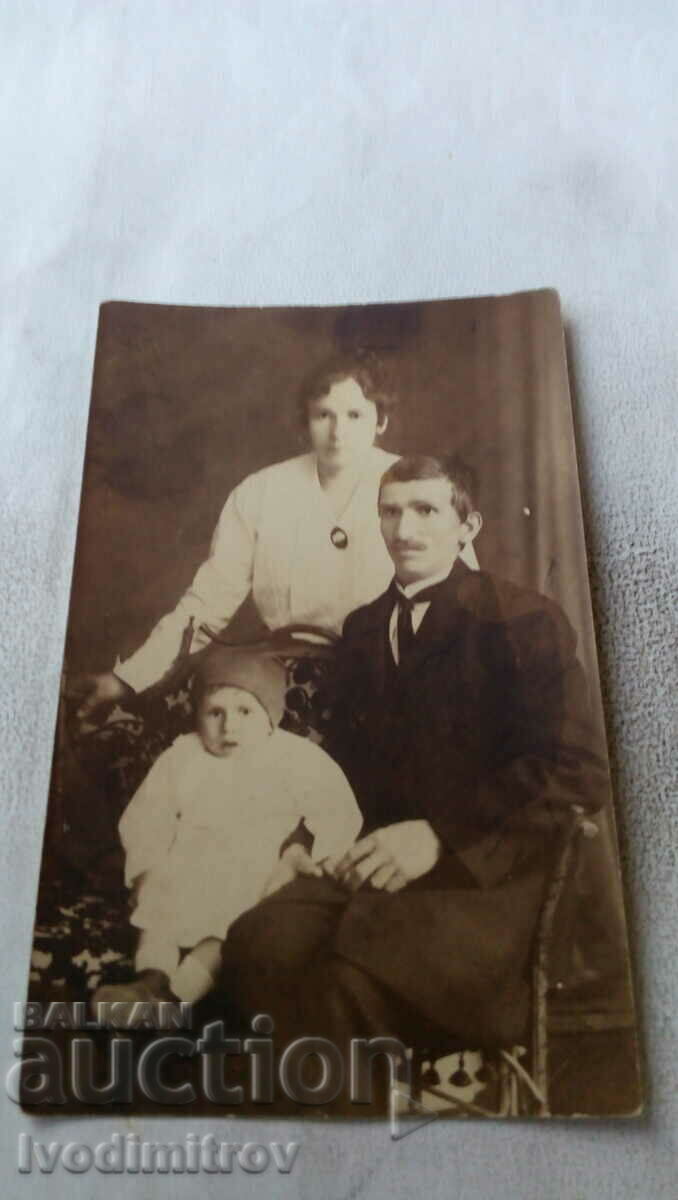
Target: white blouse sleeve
{"x": 218, "y": 589}
{"x": 147, "y": 825}
{"x": 329, "y": 807}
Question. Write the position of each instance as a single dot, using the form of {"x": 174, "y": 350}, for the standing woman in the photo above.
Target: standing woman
{"x": 302, "y": 536}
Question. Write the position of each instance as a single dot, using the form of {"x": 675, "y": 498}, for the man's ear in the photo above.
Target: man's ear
{"x": 382, "y": 425}
{"x": 471, "y": 527}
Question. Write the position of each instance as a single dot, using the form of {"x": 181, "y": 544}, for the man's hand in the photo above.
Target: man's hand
{"x": 96, "y": 693}
{"x": 295, "y": 860}
{"x": 390, "y": 857}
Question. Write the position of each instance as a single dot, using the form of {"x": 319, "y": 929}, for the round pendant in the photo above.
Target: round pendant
{"x": 339, "y": 538}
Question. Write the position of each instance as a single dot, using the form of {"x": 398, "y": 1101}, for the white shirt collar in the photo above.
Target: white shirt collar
{"x": 411, "y": 589}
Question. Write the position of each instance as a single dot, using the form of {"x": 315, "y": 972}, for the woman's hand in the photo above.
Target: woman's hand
{"x": 97, "y": 692}
{"x": 295, "y": 860}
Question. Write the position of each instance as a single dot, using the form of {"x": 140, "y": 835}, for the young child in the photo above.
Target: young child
{"x": 203, "y": 833}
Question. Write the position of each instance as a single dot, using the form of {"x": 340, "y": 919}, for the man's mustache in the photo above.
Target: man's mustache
{"x": 401, "y": 545}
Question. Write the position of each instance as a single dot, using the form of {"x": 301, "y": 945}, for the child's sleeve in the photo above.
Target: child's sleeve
{"x": 147, "y": 826}
{"x": 329, "y": 806}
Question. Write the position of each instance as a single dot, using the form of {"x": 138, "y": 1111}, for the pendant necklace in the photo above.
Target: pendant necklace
{"x": 338, "y": 535}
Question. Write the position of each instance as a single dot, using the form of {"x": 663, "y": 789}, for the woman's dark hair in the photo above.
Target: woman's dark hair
{"x": 363, "y": 367}
{"x": 451, "y": 467}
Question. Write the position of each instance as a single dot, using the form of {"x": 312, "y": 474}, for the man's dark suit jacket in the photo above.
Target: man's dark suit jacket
{"x": 484, "y": 732}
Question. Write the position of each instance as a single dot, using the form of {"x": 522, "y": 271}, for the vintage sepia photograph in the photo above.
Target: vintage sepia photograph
{"x": 330, "y": 827}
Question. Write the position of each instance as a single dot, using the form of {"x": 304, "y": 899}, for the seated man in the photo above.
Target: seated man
{"x": 461, "y": 721}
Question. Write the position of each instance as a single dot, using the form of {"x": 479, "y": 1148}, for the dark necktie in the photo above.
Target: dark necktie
{"x": 406, "y": 635}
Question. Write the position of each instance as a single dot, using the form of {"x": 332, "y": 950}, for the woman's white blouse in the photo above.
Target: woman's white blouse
{"x": 273, "y": 539}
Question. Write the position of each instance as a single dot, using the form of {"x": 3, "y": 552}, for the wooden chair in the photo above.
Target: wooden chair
{"x": 520, "y": 1089}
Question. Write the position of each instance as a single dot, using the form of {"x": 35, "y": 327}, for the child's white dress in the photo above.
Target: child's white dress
{"x": 204, "y": 833}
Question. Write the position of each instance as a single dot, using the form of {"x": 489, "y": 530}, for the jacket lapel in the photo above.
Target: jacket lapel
{"x": 443, "y": 622}
{"x": 374, "y": 646}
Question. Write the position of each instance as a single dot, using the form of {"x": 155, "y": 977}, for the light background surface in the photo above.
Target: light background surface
{"x": 325, "y": 153}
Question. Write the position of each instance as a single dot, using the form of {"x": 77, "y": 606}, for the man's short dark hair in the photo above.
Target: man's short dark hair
{"x": 451, "y": 467}
{"x": 361, "y": 366}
